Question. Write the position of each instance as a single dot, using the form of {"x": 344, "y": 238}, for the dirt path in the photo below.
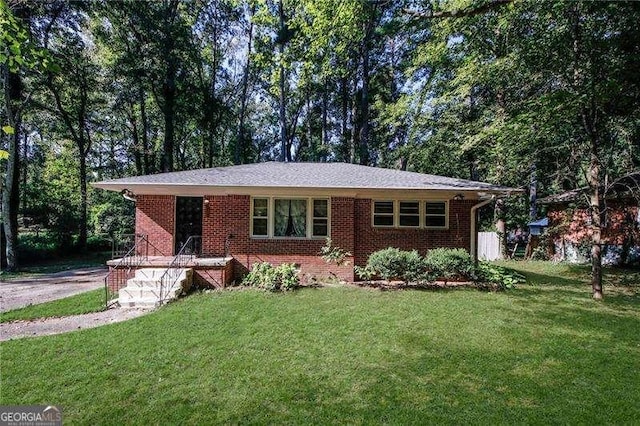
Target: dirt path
{"x": 43, "y": 288}
{"x": 45, "y": 327}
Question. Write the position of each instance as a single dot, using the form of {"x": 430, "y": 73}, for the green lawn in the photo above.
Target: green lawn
{"x": 542, "y": 353}
{"x": 90, "y": 301}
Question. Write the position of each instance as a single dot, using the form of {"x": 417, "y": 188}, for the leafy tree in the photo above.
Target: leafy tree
{"x": 17, "y": 54}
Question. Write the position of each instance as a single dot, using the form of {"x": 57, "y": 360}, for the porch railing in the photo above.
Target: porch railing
{"x": 189, "y": 250}
{"x": 121, "y": 244}
{"x": 125, "y": 268}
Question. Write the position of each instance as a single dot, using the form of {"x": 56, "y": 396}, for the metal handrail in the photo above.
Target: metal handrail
{"x": 187, "y": 252}
{"x": 132, "y": 259}
{"x": 121, "y": 243}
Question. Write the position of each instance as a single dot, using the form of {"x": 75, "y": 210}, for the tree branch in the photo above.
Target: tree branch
{"x": 459, "y": 13}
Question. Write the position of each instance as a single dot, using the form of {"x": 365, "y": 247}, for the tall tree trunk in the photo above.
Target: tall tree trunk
{"x": 3, "y": 248}
{"x": 169, "y": 92}
{"x": 286, "y": 154}
{"x": 82, "y": 238}
{"x": 364, "y": 100}
{"x": 325, "y": 125}
{"x": 11, "y": 190}
{"x": 344, "y": 119}
{"x": 595, "y": 204}
{"x": 169, "y": 86}
{"x": 501, "y": 228}
{"x": 147, "y": 161}
{"x": 138, "y": 151}
{"x": 239, "y": 148}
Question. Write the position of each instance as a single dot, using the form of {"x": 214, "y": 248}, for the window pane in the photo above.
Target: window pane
{"x": 409, "y": 207}
{"x": 320, "y": 228}
{"x": 260, "y": 227}
{"x": 435, "y": 208}
{"x": 383, "y": 207}
{"x": 320, "y": 208}
{"x": 383, "y": 220}
{"x": 409, "y": 220}
{"x": 290, "y": 218}
{"x": 260, "y": 207}
{"x": 435, "y": 221}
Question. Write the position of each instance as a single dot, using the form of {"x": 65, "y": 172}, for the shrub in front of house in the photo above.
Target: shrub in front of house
{"x": 392, "y": 263}
{"x": 448, "y": 264}
{"x": 273, "y": 278}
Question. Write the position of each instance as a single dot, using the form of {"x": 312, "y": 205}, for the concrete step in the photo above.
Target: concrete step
{"x": 144, "y": 290}
{"x": 143, "y": 283}
{"x": 150, "y": 273}
{"x": 139, "y": 302}
{"x": 129, "y": 292}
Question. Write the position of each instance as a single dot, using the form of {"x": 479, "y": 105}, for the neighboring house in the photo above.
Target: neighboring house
{"x": 537, "y": 227}
{"x": 570, "y": 229}
{"x": 283, "y": 212}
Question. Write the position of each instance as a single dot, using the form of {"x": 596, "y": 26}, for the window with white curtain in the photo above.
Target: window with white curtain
{"x": 290, "y": 217}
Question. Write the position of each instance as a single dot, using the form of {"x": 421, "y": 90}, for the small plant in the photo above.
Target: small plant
{"x": 450, "y": 263}
{"x": 265, "y": 276}
{"x": 501, "y": 277}
{"x": 365, "y": 273}
{"x": 334, "y": 254}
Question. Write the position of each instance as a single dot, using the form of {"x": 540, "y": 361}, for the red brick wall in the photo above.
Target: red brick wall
{"x": 369, "y": 239}
{"x": 214, "y": 277}
{"x": 226, "y": 219}
{"x": 155, "y": 217}
{"x": 574, "y": 224}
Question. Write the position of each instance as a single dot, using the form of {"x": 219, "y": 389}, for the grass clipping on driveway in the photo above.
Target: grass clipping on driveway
{"x": 83, "y": 303}
{"x": 543, "y": 353}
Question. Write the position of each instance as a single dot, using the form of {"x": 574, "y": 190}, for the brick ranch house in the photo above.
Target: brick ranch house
{"x": 570, "y": 228}
{"x": 283, "y": 212}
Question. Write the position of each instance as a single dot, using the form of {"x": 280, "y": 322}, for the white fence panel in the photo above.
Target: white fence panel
{"x": 488, "y": 246}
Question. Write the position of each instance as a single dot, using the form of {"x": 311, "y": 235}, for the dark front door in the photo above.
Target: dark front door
{"x": 188, "y": 221}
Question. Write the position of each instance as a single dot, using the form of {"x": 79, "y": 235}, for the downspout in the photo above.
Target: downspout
{"x": 474, "y": 246}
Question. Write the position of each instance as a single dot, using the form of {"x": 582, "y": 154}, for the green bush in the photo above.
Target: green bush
{"x": 501, "y": 277}
{"x": 450, "y": 263}
{"x": 392, "y": 263}
{"x": 265, "y": 276}
{"x": 98, "y": 243}
{"x": 33, "y": 247}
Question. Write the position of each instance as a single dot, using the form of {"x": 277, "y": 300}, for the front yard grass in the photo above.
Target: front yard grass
{"x": 542, "y": 353}
{"x": 83, "y": 303}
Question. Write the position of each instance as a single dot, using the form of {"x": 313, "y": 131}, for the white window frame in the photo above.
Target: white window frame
{"x": 393, "y": 213}
{"x": 419, "y": 214}
{"x": 252, "y": 216}
{"x": 309, "y": 219}
{"x": 446, "y": 214}
{"x": 313, "y": 218}
{"x": 422, "y": 207}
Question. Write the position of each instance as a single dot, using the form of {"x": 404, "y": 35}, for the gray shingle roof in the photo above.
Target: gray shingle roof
{"x": 303, "y": 175}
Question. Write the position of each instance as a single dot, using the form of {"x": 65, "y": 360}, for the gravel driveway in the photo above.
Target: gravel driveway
{"x": 47, "y": 326}
{"x": 43, "y": 288}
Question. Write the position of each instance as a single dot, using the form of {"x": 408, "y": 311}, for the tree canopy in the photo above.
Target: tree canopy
{"x": 491, "y": 90}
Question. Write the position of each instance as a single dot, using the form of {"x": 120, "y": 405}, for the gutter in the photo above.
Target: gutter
{"x": 474, "y": 233}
